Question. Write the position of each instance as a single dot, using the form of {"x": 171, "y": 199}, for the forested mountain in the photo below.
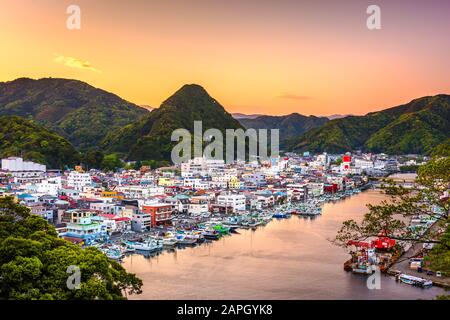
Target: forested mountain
{"x": 150, "y": 138}
{"x": 415, "y": 127}
{"x": 76, "y": 110}
{"x": 25, "y": 138}
{"x": 290, "y": 126}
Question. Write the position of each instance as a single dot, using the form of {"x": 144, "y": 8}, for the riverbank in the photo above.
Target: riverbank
{"x": 402, "y": 267}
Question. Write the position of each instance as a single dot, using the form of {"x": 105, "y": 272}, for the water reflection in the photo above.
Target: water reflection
{"x": 287, "y": 259}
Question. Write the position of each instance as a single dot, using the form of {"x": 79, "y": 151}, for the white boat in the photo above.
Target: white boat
{"x": 415, "y": 281}
{"x": 150, "y": 245}
{"x": 114, "y": 254}
{"x": 170, "y": 242}
{"x": 182, "y": 239}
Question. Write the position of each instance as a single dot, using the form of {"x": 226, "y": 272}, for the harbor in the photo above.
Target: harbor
{"x": 284, "y": 259}
{"x": 187, "y": 230}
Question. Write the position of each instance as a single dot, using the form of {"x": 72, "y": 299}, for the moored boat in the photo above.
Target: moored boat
{"x": 151, "y": 245}
{"x": 415, "y": 281}
{"x": 280, "y": 215}
{"x": 184, "y": 240}
{"x": 114, "y": 254}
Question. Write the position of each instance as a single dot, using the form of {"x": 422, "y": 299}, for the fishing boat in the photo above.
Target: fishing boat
{"x": 169, "y": 242}
{"x": 415, "y": 281}
{"x": 150, "y": 245}
{"x": 311, "y": 213}
{"x": 114, "y": 254}
{"x": 254, "y": 223}
{"x": 183, "y": 240}
{"x": 232, "y": 222}
{"x": 221, "y": 229}
{"x": 211, "y": 234}
{"x": 195, "y": 235}
{"x": 362, "y": 268}
{"x": 129, "y": 249}
{"x": 280, "y": 215}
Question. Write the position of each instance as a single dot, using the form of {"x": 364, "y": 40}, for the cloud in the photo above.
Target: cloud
{"x": 75, "y": 63}
{"x": 294, "y": 97}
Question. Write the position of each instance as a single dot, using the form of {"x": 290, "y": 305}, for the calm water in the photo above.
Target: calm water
{"x": 287, "y": 259}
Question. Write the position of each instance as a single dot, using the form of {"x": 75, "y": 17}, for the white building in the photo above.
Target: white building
{"x": 363, "y": 163}
{"x": 49, "y": 186}
{"x": 105, "y": 205}
{"x": 78, "y": 180}
{"x": 195, "y": 183}
{"x": 140, "y": 192}
{"x": 15, "y": 164}
{"x": 315, "y": 189}
{"x": 201, "y": 167}
{"x": 236, "y": 201}
{"x": 141, "y": 222}
{"x": 24, "y": 171}
{"x": 217, "y": 184}
{"x": 198, "y": 206}
{"x": 323, "y": 159}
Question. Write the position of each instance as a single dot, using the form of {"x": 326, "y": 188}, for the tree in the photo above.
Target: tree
{"x": 93, "y": 159}
{"x": 390, "y": 218}
{"x": 112, "y": 162}
{"x": 442, "y": 150}
{"x": 439, "y": 256}
{"x": 137, "y": 165}
{"x": 155, "y": 164}
{"x": 34, "y": 262}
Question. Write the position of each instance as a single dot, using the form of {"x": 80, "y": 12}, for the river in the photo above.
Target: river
{"x": 286, "y": 259}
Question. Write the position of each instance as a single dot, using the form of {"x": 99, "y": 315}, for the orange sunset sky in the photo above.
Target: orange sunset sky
{"x": 254, "y": 56}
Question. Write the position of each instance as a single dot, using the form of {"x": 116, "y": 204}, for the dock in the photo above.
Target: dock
{"x": 402, "y": 266}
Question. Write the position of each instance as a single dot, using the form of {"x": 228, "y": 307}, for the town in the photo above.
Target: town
{"x": 200, "y": 200}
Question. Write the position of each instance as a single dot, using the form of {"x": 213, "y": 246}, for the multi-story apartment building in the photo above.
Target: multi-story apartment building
{"x": 78, "y": 180}
{"x": 235, "y": 201}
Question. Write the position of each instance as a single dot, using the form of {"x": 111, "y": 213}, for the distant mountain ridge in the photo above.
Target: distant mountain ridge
{"x": 290, "y": 126}
{"x": 150, "y": 138}
{"x": 338, "y": 116}
{"x": 416, "y": 127}
{"x": 239, "y": 116}
{"x": 76, "y": 110}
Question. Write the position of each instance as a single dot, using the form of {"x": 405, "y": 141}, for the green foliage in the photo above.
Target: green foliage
{"x": 389, "y": 217}
{"x": 439, "y": 257}
{"x": 410, "y": 168}
{"x": 442, "y": 150}
{"x": 137, "y": 165}
{"x": 93, "y": 159}
{"x": 79, "y": 112}
{"x": 112, "y": 162}
{"x": 21, "y": 137}
{"x": 150, "y": 138}
{"x": 416, "y": 127}
{"x": 156, "y": 164}
{"x": 34, "y": 262}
